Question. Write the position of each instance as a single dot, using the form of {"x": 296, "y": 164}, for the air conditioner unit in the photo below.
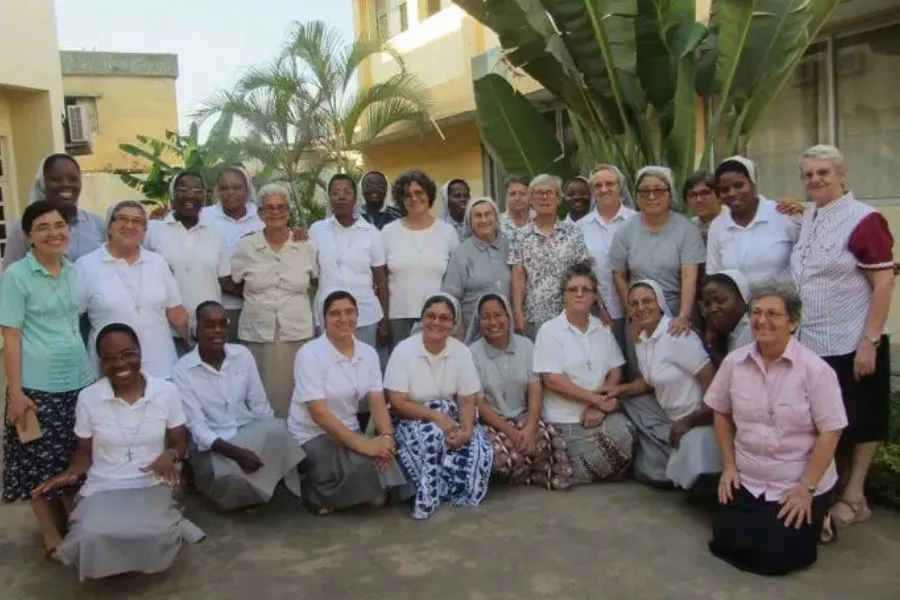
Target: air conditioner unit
{"x": 77, "y": 121}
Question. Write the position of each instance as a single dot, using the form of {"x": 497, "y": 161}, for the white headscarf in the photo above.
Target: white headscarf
{"x": 664, "y": 173}
{"x": 740, "y": 282}
{"x": 248, "y": 181}
{"x": 625, "y": 197}
{"x": 111, "y": 211}
{"x": 457, "y": 311}
{"x": 744, "y": 162}
{"x": 657, "y": 291}
{"x": 473, "y": 333}
{"x": 38, "y": 189}
{"x": 467, "y": 218}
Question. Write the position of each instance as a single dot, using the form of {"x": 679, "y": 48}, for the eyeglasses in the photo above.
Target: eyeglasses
{"x": 125, "y": 355}
{"x": 545, "y": 193}
{"x": 133, "y": 221}
{"x": 274, "y": 209}
{"x": 579, "y": 290}
{"x": 647, "y": 193}
{"x": 704, "y": 193}
{"x": 48, "y": 227}
{"x": 768, "y": 315}
{"x": 433, "y": 318}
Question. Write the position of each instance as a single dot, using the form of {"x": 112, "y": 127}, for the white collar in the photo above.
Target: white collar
{"x": 106, "y": 393}
{"x": 107, "y": 257}
{"x": 593, "y": 323}
{"x": 250, "y": 214}
{"x": 169, "y": 219}
{"x": 661, "y": 328}
{"x": 358, "y": 223}
{"x": 424, "y": 353}
{"x": 622, "y": 214}
{"x": 192, "y": 359}
{"x": 765, "y": 211}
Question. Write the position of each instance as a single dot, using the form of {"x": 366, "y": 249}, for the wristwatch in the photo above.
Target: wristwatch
{"x": 809, "y": 487}
{"x": 874, "y": 340}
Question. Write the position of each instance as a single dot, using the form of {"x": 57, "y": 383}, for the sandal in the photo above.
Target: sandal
{"x": 829, "y": 533}
{"x": 315, "y": 509}
{"x": 853, "y": 512}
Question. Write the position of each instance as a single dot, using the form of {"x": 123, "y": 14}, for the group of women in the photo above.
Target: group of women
{"x": 439, "y": 353}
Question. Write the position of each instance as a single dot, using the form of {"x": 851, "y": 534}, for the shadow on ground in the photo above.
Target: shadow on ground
{"x": 599, "y": 542}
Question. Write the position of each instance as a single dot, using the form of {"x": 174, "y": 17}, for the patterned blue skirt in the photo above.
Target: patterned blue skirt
{"x": 26, "y": 466}
{"x": 439, "y": 474}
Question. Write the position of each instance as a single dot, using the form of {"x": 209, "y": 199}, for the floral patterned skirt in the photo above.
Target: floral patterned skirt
{"x": 439, "y": 474}
{"x": 26, "y": 466}
{"x": 548, "y": 468}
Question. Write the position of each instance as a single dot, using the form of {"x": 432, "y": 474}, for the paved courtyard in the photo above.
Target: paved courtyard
{"x": 603, "y": 542}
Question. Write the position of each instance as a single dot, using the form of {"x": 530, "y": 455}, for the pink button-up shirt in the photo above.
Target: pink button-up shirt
{"x": 778, "y": 412}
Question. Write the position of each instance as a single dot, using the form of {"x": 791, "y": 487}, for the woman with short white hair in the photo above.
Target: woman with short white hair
{"x": 123, "y": 282}
{"x": 843, "y": 265}
{"x": 276, "y": 272}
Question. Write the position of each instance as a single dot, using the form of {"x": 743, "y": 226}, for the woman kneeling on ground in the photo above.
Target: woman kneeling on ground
{"x": 433, "y": 386}
{"x": 725, "y": 297}
{"x": 131, "y": 440}
{"x": 344, "y": 467}
{"x": 778, "y": 419}
{"x": 526, "y": 450}
{"x": 676, "y": 444}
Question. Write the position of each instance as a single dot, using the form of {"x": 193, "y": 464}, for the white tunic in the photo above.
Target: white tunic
{"x": 112, "y": 291}
{"x": 598, "y": 237}
{"x": 218, "y": 403}
{"x": 416, "y": 263}
{"x": 761, "y": 250}
{"x": 322, "y": 373}
{"x": 232, "y": 230}
{"x": 197, "y": 257}
{"x": 585, "y": 357}
{"x": 415, "y": 371}
{"x": 668, "y": 364}
{"x": 125, "y": 437}
{"x": 346, "y": 257}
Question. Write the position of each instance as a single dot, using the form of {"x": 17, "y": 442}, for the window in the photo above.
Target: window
{"x": 844, "y": 92}
{"x": 4, "y": 190}
{"x": 796, "y": 120}
{"x": 391, "y": 17}
{"x": 867, "y": 92}
{"x": 429, "y": 8}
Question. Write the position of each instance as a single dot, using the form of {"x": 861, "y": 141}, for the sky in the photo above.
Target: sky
{"x": 216, "y": 40}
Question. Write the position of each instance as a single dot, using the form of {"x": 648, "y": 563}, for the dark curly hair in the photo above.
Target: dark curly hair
{"x": 400, "y": 188}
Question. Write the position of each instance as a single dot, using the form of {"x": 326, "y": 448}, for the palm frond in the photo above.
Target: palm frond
{"x": 401, "y": 89}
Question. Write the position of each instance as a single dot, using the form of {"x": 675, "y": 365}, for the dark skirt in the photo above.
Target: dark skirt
{"x": 867, "y": 401}
{"x": 26, "y": 466}
{"x": 748, "y": 535}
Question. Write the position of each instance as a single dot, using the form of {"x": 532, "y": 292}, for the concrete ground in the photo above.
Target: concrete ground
{"x": 604, "y": 542}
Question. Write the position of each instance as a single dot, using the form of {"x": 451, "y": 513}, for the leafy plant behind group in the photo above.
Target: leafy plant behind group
{"x": 632, "y": 75}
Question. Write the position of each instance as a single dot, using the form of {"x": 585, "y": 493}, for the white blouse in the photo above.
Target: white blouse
{"x": 668, "y": 364}
{"x": 112, "y": 291}
{"x": 322, "y": 373}
{"x": 346, "y": 257}
{"x": 416, "y": 262}
{"x": 585, "y": 357}
{"x": 125, "y": 437}
{"x": 415, "y": 371}
{"x": 197, "y": 257}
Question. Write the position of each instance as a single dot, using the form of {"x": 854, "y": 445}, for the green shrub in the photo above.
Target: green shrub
{"x": 884, "y": 477}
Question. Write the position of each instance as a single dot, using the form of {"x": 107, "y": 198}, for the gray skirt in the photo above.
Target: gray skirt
{"x": 275, "y": 361}
{"x": 126, "y": 531}
{"x": 225, "y": 483}
{"x": 656, "y": 461}
{"x": 336, "y": 477}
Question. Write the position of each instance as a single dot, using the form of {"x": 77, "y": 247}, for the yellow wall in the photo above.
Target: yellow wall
{"x": 458, "y": 156}
{"x": 126, "y": 107}
{"x": 30, "y": 90}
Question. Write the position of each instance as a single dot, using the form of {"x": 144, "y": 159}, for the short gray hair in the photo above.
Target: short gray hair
{"x": 579, "y": 270}
{"x": 271, "y": 189}
{"x": 545, "y": 179}
{"x": 824, "y": 152}
{"x": 118, "y": 207}
{"x": 784, "y": 290}
{"x": 620, "y": 176}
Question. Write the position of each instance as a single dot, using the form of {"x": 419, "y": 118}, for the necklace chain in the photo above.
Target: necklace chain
{"x": 130, "y": 452}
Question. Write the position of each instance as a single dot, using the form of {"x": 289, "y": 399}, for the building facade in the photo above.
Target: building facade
{"x": 31, "y": 100}
{"x": 110, "y": 98}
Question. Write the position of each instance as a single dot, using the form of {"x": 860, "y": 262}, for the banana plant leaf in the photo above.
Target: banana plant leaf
{"x": 515, "y": 133}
